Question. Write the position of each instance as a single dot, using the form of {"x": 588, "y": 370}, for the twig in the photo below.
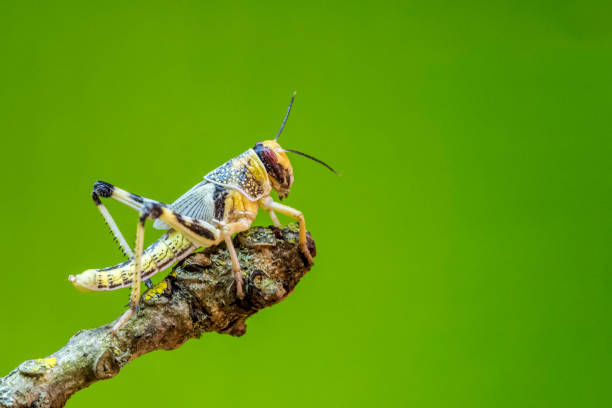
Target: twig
{"x": 198, "y": 296}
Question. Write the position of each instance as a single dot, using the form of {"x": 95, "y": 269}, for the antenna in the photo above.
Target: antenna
{"x": 286, "y": 116}
{"x": 313, "y": 158}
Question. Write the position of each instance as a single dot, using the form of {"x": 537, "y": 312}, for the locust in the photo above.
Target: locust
{"x": 226, "y": 202}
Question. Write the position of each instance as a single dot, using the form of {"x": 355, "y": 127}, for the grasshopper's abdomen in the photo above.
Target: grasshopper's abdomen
{"x": 170, "y": 248}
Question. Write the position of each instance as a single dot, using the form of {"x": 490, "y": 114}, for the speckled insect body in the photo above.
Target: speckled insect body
{"x": 224, "y": 203}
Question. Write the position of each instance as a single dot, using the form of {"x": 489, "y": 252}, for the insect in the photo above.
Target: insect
{"x": 224, "y": 203}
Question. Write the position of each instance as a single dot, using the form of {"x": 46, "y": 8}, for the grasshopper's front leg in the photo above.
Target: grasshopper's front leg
{"x": 267, "y": 203}
{"x": 274, "y": 218}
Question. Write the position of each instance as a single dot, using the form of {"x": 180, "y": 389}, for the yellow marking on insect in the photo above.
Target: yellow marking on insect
{"x": 156, "y": 290}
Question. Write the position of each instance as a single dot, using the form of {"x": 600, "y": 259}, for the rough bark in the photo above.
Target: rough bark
{"x": 198, "y": 296}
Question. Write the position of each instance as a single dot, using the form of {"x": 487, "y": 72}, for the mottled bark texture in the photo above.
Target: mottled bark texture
{"x": 198, "y": 296}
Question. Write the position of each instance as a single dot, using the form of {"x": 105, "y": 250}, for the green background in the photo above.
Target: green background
{"x": 463, "y": 256}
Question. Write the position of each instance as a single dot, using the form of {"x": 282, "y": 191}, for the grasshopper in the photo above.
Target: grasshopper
{"x": 224, "y": 203}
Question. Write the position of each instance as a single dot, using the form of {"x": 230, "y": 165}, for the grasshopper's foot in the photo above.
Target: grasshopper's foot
{"x": 239, "y": 283}
{"x": 306, "y": 252}
{"x": 125, "y": 317}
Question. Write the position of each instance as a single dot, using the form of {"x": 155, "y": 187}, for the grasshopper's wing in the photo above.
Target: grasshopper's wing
{"x": 197, "y": 203}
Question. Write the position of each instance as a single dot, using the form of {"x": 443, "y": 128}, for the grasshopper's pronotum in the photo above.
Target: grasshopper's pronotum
{"x": 226, "y": 202}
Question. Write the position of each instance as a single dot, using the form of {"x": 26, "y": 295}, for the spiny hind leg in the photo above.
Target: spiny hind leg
{"x": 135, "y": 294}
{"x": 100, "y": 190}
{"x": 111, "y": 224}
{"x": 107, "y": 190}
{"x": 197, "y": 231}
{"x": 268, "y": 204}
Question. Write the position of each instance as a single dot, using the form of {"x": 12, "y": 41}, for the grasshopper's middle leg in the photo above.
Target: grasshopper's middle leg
{"x": 204, "y": 234}
{"x": 226, "y": 232}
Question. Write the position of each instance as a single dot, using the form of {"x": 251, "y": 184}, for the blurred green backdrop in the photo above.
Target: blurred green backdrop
{"x": 463, "y": 256}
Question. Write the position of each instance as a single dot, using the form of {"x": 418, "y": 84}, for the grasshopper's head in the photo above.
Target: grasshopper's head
{"x": 277, "y": 164}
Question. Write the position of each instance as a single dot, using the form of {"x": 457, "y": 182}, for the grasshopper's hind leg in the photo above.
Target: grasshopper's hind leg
{"x": 114, "y": 228}
{"x": 135, "y": 294}
{"x": 199, "y": 232}
{"x": 111, "y": 224}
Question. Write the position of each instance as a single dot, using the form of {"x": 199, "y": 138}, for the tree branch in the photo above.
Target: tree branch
{"x": 198, "y": 296}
